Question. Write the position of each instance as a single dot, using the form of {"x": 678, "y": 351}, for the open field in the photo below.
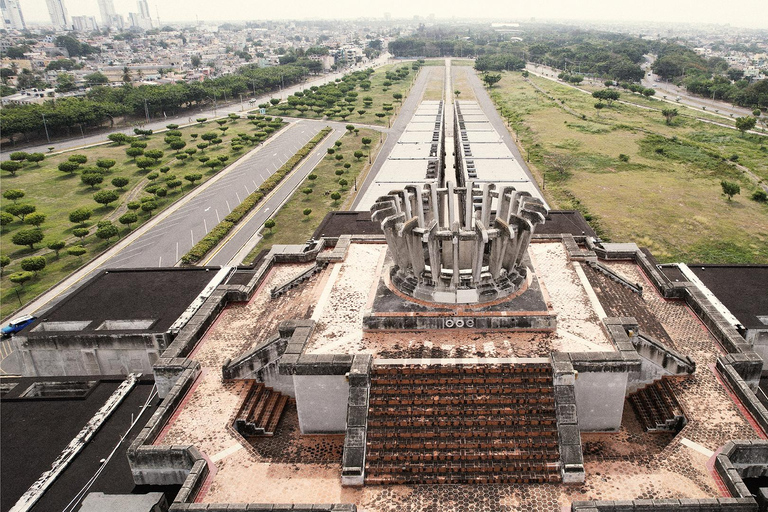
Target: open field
{"x": 461, "y": 84}
{"x": 291, "y": 225}
{"x": 664, "y": 193}
{"x": 379, "y": 93}
{"x": 435, "y": 84}
{"x": 55, "y": 194}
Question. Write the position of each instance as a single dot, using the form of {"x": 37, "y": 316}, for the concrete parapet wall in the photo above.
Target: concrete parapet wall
{"x": 568, "y": 431}
{"x": 164, "y": 465}
{"x": 262, "y": 507}
{"x": 600, "y": 385}
{"x": 679, "y": 505}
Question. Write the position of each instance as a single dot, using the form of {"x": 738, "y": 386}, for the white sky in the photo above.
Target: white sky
{"x": 741, "y": 13}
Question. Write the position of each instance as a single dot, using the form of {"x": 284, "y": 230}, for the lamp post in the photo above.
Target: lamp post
{"x": 46, "y": 128}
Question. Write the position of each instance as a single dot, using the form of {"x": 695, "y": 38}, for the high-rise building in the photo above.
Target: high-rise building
{"x": 12, "y": 16}
{"x": 84, "y": 23}
{"x": 144, "y": 9}
{"x": 107, "y": 11}
{"x": 58, "y": 13}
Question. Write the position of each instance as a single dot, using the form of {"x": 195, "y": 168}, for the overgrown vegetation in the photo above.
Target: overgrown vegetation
{"x": 637, "y": 178}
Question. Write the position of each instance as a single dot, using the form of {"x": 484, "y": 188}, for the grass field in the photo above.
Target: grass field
{"x": 379, "y": 94}
{"x": 461, "y": 83}
{"x": 55, "y": 194}
{"x": 435, "y": 85}
{"x": 664, "y": 193}
{"x": 291, "y": 225}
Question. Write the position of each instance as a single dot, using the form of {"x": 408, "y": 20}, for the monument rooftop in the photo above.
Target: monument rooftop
{"x": 294, "y": 468}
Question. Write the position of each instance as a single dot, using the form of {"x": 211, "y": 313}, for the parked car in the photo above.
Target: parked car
{"x": 17, "y": 324}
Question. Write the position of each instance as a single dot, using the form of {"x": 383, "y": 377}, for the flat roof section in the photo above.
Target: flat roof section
{"x": 419, "y": 125}
{"x": 35, "y": 431}
{"x": 402, "y": 171}
{"x": 336, "y": 224}
{"x": 565, "y": 221}
{"x": 412, "y": 152}
{"x": 490, "y": 150}
{"x": 741, "y": 288}
{"x": 415, "y": 137}
{"x": 479, "y": 126}
{"x": 378, "y": 189}
{"x": 474, "y": 118}
{"x": 160, "y": 295}
{"x": 498, "y": 170}
{"x": 476, "y": 136}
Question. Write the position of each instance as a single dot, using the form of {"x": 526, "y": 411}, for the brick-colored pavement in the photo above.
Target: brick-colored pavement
{"x": 629, "y": 464}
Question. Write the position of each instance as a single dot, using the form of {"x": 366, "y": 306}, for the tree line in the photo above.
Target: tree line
{"x": 102, "y": 103}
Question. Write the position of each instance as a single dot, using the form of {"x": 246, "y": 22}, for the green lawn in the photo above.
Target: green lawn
{"x": 435, "y": 85}
{"x": 55, "y": 194}
{"x": 379, "y": 93}
{"x": 291, "y": 225}
{"x": 664, "y": 193}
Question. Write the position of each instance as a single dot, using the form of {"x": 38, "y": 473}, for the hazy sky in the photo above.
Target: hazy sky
{"x": 743, "y": 13}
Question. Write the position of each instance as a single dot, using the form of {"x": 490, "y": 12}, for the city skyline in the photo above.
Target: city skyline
{"x": 744, "y": 13}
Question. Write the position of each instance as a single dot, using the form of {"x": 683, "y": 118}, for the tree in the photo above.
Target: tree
{"x": 148, "y": 206}
{"x": 33, "y": 264}
{"x": 18, "y": 156}
{"x": 56, "y": 246}
{"x": 154, "y": 154}
{"x": 608, "y": 95}
{"x": 35, "y": 219}
{"x": 179, "y": 144}
{"x": 20, "y": 278}
{"x": 192, "y": 178}
{"x": 312, "y": 177}
{"x": 81, "y": 233}
{"x": 36, "y": 158}
{"x": 144, "y": 162}
{"x": 5, "y": 218}
{"x": 361, "y": 112}
{"x": 119, "y": 182}
{"x": 599, "y": 106}
{"x": 105, "y": 163}
{"x": 76, "y": 250}
{"x": 760, "y": 196}
{"x": 744, "y": 124}
{"x": 132, "y": 152}
{"x": 20, "y": 210}
{"x": 359, "y": 154}
{"x": 118, "y": 138}
{"x": 350, "y": 128}
{"x": 335, "y": 196}
{"x": 649, "y": 92}
{"x": 107, "y": 230}
{"x": 11, "y": 166}
{"x": 491, "y": 79}
{"x": 105, "y": 197}
{"x": 96, "y": 78}
{"x": 307, "y": 212}
{"x": 269, "y": 224}
{"x": 4, "y": 262}
{"x": 730, "y": 188}
{"x": 306, "y": 191}
{"x": 80, "y": 215}
{"x": 28, "y": 237}
{"x": 13, "y": 194}
{"x": 366, "y": 141}
{"x": 80, "y": 159}
{"x": 91, "y": 179}
{"x": 669, "y": 114}
{"x": 343, "y": 183}
{"x": 397, "y": 96}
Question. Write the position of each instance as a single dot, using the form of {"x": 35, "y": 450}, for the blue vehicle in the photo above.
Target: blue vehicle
{"x": 18, "y": 324}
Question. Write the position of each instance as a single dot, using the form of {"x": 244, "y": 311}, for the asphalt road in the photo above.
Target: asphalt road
{"x": 167, "y": 242}
{"x": 188, "y": 117}
{"x": 245, "y": 235}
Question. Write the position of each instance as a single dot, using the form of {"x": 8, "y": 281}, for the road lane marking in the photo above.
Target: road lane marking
{"x": 229, "y": 208}
{"x": 217, "y": 216}
{"x": 205, "y": 226}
